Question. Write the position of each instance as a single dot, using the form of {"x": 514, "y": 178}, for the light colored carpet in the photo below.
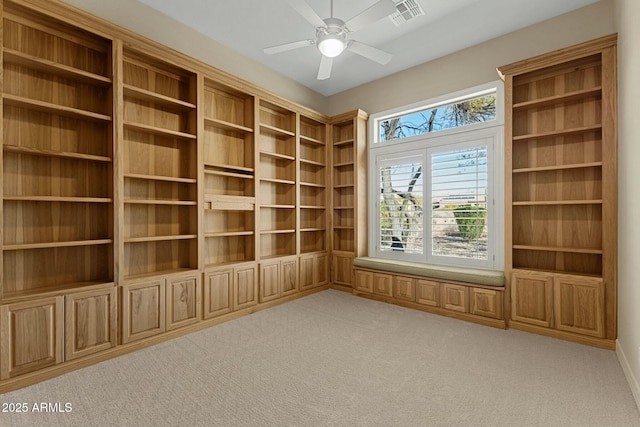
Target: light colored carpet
{"x": 331, "y": 359}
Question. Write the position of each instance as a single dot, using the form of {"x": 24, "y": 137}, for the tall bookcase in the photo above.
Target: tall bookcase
{"x": 57, "y": 200}
{"x": 159, "y": 152}
{"x": 349, "y": 192}
{"x": 561, "y": 192}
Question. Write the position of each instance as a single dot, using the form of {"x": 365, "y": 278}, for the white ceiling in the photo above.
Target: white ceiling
{"x": 248, "y": 26}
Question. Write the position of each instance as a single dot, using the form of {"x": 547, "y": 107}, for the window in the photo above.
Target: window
{"x": 433, "y": 194}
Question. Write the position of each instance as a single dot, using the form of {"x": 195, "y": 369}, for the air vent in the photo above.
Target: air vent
{"x": 405, "y": 11}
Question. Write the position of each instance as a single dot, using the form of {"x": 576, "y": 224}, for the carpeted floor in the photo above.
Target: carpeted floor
{"x": 331, "y": 359}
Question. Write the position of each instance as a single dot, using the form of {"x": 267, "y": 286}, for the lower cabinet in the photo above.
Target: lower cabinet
{"x": 32, "y": 336}
{"x": 314, "y": 270}
{"x": 467, "y": 301}
{"x": 278, "y": 277}
{"x": 558, "y": 301}
{"x": 151, "y": 307}
{"x": 229, "y": 288}
{"x": 90, "y": 322}
{"x": 342, "y": 272}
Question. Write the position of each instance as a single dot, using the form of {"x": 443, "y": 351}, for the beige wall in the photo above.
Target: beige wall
{"x": 173, "y": 34}
{"x": 627, "y": 16}
{"x": 476, "y": 65}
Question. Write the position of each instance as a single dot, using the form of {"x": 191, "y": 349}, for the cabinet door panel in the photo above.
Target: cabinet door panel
{"x": 289, "y": 276}
{"x": 183, "y": 301}
{"x": 143, "y": 310}
{"x": 404, "y": 288}
{"x": 455, "y": 297}
{"x": 428, "y": 292}
{"x": 218, "y": 293}
{"x": 532, "y": 298}
{"x": 269, "y": 281}
{"x": 321, "y": 269}
{"x": 486, "y": 302}
{"x": 31, "y": 336}
{"x": 307, "y": 280}
{"x": 245, "y": 292}
{"x": 579, "y": 305}
{"x": 90, "y": 322}
{"x": 364, "y": 281}
{"x": 383, "y": 284}
{"x": 342, "y": 273}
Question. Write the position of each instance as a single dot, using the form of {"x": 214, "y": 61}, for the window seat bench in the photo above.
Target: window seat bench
{"x": 464, "y": 293}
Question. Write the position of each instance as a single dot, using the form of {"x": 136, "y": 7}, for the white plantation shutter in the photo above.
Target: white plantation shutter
{"x": 401, "y": 205}
{"x": 459, "y": 195}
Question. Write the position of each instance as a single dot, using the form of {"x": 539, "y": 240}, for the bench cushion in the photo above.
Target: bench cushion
{"x": 434, "y": 271}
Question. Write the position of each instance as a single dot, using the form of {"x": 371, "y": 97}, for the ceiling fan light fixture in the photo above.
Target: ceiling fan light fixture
{"x": 331, "y": 46}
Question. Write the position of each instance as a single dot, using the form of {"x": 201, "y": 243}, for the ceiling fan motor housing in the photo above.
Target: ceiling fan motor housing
{"x": 332, "y": 38}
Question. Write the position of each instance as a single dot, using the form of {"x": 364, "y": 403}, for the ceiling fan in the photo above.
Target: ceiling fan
{"x": 332, "y": 34}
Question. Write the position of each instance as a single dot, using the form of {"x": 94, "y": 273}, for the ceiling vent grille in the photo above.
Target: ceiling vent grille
{"x": 405, "y": 11}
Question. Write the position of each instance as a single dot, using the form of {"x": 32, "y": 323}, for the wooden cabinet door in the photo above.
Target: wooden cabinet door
{"x": 143, "y": 310}
{"x": 383, "y": 284}
{"x": 532, "y": 298}
{"x": 486, "y": 302}
{"x": 218, "y": 293}
{"x": 404, "y": 288}
{"x": 455, "y": 297}
{"x": 342, "y": 270}
{"x": 321, "y": 269}
{"x": 90, "y": 322}
{"x": 314, "y": 271}
{"x": 245, "y": 282}
{"x": 364, "y": 281}
{"x": 289, "y": 276}
{"x": 31, "y": 336}
{"x": 428, "y": 292}
{"x": 269, "y": 280}
{"x": 307, "y": 279}
{"x": 579, "y": 305}
{"x": 183, "y": 301}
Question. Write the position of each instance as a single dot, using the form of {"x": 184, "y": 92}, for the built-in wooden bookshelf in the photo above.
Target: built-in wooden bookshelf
{"x": 57, "y": 204}
{"x": 229, "y": 175}
{"x": 348, "y": 183}
{"x": 561, "y": 191}
{"x": 277, "y": 180}
{"x": 159, "y": 167}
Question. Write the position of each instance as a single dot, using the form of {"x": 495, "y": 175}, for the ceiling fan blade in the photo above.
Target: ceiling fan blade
{"x": 374, "y": 13}
{"x": 287, "y": 46}
{"x": 370, "y": 52}
{"x": 325, "y": 68}
{"x": 307, "y": 12}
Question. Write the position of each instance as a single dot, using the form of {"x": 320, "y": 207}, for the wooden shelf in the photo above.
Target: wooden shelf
{"x": 157, "y": 130}
{"x": 557, "y": 202}
{"x": 312, "y": 162}
{"x": 312, "y": 184}
{"x": 558, "y": 249}
{"x": 312, "y": 207}
{"x": 227, "y": 174}
{"x": 278, "y": 206}
{"x": 160, "y": 178}
{"x": 275, "y": 130}
{"x": 47, "y": 107}
{"x": 25, "y": 246}
{"x": 12, "y": 56}
{"x": 221, "y": 124}
{"x": 343, "y": 227}
{"x": 559, "y": 167}
{"x": 286, "y": 231}
{"x": 560, "y": 132}
{"x": 343, "y": 164}
{"x": 156, "y": 98}
{"x": 229, "y": 233}
{"x": 52, "y": 153}
{"x": 59, "y": 199}
{"x": 313, "y": 229}
{"x": 304, "y": 138}
{"x": 160, "y": 202}
{"x": 159, "y": 273}
{"x": 278, "y": 181}
{"x": 160, "y": 238}
{"x": 343, "y": 186}
{"x": 559, "y": 99}
{"x": 344, "y": 142}
{"x": 277, "y": 155}
{"x": 343, "y": 207}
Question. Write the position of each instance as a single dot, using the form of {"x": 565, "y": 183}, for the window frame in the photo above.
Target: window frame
{"x": 438, "y": 141}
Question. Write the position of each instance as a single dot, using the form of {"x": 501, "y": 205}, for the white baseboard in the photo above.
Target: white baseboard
{"x": 628, "y": 372}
